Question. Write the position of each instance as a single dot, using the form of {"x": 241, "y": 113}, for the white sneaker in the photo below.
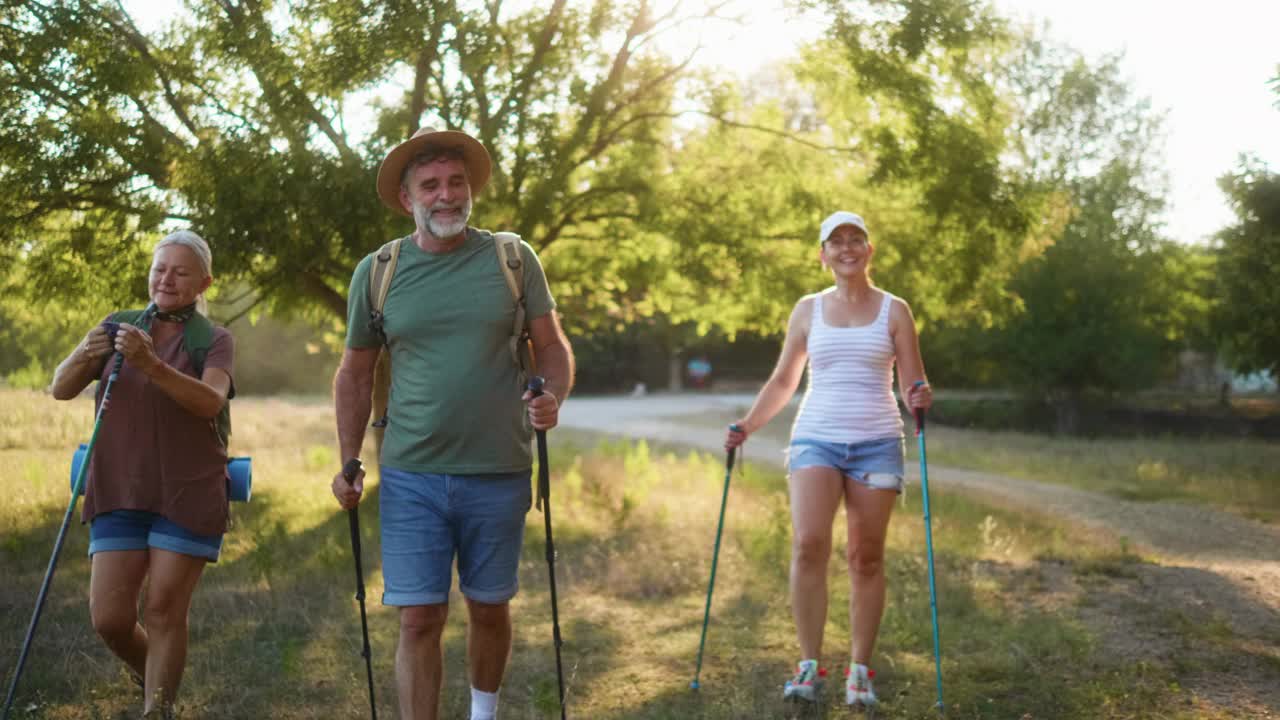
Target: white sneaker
{"x": 806, "y": 683}
{"x": 857, "y": 686}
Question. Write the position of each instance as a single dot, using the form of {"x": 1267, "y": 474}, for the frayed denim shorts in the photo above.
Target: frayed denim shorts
{"x": 140, "y": 530}
{"x": 874, "y": 463}
{"x": 428, "y": 519}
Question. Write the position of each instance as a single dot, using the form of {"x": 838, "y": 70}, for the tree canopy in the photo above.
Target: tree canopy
{"x": 1012, "y": 187}
{"x": 1248, "y": 279}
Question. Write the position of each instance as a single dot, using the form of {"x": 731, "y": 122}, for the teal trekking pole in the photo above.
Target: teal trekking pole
{"x": 928, "y": 544}
{"x": 715, "y": 556}
{"x": 144, "y": 321}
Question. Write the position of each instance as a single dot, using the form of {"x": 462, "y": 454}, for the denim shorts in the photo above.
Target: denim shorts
{"x": 140, "y": 530}
{"x": 874, "y": 463}
{"x": 428, "y": 519}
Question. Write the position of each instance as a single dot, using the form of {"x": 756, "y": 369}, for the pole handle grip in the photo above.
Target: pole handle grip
{"x": 536, "y": 384}
{"x": 919, "y": 413}
{"x": 351, "y": 470}
{"x": 728, "y": 463}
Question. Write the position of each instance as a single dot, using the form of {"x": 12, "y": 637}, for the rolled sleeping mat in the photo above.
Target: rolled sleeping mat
{"x": 239, "y": 474}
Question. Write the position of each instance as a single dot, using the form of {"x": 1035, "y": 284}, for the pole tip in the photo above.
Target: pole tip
{"x": 694, "y": 685}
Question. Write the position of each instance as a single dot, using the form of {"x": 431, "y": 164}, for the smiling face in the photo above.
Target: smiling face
{"x": 177, "y": 277}
{"x": 439, "y": 196}
{"x": 847, "y": 250}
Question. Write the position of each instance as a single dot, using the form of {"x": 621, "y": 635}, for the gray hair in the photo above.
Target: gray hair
{"x": 200, "y": 249}
{"x": 430, "y": 154}
{"x": 195, "y": 243}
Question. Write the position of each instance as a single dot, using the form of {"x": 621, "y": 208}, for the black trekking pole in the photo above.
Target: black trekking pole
{"x": 544, "y": 496}
{"x": 715, "y": 556}
{"x": 118, "y": 362}
{"x": 349, "y": 472}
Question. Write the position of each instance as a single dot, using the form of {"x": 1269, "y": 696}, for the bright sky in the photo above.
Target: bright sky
{"x": 1206, "y": 66}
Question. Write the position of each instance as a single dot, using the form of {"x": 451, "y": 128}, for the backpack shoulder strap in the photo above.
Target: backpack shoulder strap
{"x": 197, "y": 338}
{"x": 380, "y": 275}
{"x": 507, "y": 245}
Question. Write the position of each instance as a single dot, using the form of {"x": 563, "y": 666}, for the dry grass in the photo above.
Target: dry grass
{"x": 275, "y": 633}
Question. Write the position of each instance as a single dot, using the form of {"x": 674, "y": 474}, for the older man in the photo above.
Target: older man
{"x": 455, "y": 462}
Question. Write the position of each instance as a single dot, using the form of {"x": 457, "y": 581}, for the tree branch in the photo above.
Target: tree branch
{"x": 520, "y": 89}
{"x": 279, "y": 92}
{"x": 247, "y": 309}
{"x": 139, "y": 43}
{"x": 331, "y": 299}
{"x": 421, "y": 73}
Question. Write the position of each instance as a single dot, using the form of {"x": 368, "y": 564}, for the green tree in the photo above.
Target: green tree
{"x": 261, "y": 123}
{"x": 932, "y": 122}
{"x": 1108, "y": 303}
{"x": 1247, "y": 318}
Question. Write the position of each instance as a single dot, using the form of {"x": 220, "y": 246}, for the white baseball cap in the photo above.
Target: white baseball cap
{"x": 838, "y": 218}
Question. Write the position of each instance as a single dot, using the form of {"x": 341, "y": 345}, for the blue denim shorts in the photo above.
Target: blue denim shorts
{"x": 874, "y": 463}
{"x": 140, "y": 530}
{"x": 428, "y": 519}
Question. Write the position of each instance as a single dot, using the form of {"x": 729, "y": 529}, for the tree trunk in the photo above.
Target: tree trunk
{"x": 1066, "y": 410}
{"x": 675, "y": 371}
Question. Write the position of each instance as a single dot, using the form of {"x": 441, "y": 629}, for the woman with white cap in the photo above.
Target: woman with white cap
{"x": 846, "y": 444}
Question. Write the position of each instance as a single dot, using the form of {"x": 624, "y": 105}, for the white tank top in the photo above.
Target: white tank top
{"x": 850, "y": 394}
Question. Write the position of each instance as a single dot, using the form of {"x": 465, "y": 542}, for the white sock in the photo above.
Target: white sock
{"x": 484, "y": 705}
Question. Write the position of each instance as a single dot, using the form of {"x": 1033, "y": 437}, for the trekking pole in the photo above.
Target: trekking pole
{"x": 928, "y": 543}
{"x": 715, "y": 556}
{"x": 118, "y": 362}
{"x": 544, "y": 495}
{"x": 350, "y": 472}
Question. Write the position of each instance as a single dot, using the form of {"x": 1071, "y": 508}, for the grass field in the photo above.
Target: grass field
{"x": 275, "y": 632}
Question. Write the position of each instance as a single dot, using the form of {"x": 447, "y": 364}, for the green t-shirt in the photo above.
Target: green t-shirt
{"x": 455, "y": 402}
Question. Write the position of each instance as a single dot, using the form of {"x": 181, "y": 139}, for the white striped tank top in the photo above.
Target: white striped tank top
{"x": 850, "y": 395}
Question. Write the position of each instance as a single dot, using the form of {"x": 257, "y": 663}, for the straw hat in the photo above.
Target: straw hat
{"x": 474, "y": 157}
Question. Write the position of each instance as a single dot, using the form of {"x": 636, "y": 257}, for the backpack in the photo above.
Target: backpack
{"x": 197, "y": 338}
{"x": 383, "y": 268}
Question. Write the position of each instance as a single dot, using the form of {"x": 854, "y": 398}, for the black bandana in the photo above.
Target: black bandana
{"x": 180, "y": 315}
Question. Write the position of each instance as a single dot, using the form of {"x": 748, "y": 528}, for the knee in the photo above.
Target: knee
{"x": 423, "y": 623}
{"x": 489, "y": 616}
{"x": 165, "y": 611}
{"x": 866, "y": 560}
{"x": 811, "y": 548}
{"x": 112, "y": 620}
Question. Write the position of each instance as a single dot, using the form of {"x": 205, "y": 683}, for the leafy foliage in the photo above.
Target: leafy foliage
{"x": 1012, "y": 187}
{"x": 1247, "y": 319}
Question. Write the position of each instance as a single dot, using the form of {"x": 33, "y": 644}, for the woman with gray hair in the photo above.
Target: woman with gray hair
{"x": 156, "y": 487}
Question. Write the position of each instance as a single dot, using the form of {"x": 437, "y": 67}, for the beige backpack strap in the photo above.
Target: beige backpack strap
{"x": 384, "y": 268}
{"x": 380, "y": 275}
{"x": 508, "y": 246}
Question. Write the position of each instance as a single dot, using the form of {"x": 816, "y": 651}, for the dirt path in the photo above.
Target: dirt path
{"x": 1210, "y": 596}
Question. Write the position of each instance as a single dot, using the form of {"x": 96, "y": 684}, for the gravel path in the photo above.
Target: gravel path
{"x": 1177, "y": 533}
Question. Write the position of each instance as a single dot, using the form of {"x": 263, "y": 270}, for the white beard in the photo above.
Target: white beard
{"x": 425, "y": 218}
